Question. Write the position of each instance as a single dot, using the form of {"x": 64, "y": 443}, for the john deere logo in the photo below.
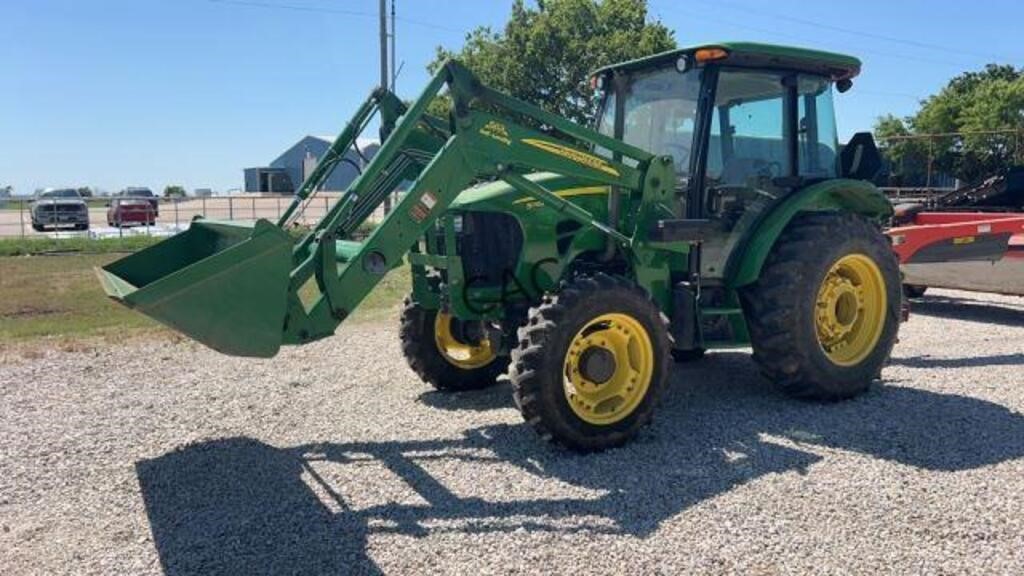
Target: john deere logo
{"x": 573, "y": 154}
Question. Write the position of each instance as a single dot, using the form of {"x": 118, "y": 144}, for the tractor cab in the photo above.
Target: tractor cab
{"x": 744, "y": 123}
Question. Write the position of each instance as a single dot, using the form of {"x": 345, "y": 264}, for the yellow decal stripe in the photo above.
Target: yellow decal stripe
{"x": 572, "y": 154}
{"x": 570, "y": 192}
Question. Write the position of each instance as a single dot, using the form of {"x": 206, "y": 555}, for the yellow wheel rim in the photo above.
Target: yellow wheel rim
{"x": 614, "y": 389}
{"x": 456, "y": 352}
{"x": 850, "y": 311}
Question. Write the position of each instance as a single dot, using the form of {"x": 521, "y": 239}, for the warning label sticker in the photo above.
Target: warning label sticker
{"x": 421, "y": 209}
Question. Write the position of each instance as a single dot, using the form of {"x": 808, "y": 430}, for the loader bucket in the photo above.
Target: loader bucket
{"x": 224, "y": 284}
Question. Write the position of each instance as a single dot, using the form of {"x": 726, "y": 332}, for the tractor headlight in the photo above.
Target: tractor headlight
{"x": 457, "y": 223}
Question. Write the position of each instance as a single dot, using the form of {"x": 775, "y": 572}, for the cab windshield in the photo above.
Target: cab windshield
{"x": 66, "y": 193}
{"x": 660, "y": 112}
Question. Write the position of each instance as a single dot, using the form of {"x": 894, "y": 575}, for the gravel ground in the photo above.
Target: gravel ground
{"x": 164, "y": 457}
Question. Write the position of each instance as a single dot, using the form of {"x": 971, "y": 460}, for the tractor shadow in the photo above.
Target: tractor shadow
{"x": 493, "y": 398}
{"x": 240, "y": 506}
{"x": 927, "y": 361}
{"x": 968, "y": 309}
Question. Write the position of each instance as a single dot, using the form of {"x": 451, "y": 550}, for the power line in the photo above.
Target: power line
{"x": 295, "y": 7}
{"x": 843, "y": 30}
{"x": 888, "y": 94}
{"x": 328, "y": 10}
{"x": 791, "y": 37}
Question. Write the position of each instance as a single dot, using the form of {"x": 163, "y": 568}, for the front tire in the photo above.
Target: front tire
{"x": 591, "y": 363}
{"x": 444, "y": 358}
{"x": 824, "y": 314}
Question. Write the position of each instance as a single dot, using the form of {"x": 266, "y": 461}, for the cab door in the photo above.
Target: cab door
{"x": 770, "y": 133}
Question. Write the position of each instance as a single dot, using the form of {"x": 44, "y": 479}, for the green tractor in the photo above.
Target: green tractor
{"x": 709, "y": 207}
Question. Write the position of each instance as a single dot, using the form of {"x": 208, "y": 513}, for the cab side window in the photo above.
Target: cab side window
{"x": 750, "y": 138}
{"x": 818, "y": 142}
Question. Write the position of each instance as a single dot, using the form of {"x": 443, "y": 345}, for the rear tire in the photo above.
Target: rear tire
{"x": 591, "y": 363}
{"x": 824, "y": 314}
{"x": 423, "y": 349}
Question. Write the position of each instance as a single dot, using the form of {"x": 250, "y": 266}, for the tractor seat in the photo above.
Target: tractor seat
{"x": 860, "y": 158}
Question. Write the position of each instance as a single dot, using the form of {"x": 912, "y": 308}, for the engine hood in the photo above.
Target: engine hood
{"x": 498, "y": 195}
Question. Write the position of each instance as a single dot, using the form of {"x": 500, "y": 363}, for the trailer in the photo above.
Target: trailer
{"x": 976, "y": 251}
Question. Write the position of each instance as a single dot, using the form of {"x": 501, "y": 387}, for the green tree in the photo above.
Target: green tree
{"x": 544, "y": 54}
{"x": 85, "y": 192}
{"x": 174, "y": 191}
{"x": 984, "y": 101}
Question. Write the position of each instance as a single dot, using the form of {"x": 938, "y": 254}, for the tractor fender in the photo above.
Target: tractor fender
{"x": 858, "y": 196}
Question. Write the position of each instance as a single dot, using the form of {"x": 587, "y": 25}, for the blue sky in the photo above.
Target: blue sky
{"x": 112, "y": 93}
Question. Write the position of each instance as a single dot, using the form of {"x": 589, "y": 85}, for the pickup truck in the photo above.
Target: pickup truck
{"x": 59, "y": 208}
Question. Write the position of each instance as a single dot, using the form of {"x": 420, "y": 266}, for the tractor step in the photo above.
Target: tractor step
{"x": 716, "y": 311}
{"x": 684, "y": 230}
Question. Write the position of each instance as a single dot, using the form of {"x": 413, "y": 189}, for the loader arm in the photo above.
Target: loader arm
{"x": 487, "y": 136}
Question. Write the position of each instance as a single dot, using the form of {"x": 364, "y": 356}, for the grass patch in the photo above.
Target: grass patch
{"x": 44, "y": 245}
{"x": 387, "y": 296}
{"x": 59, "y": 296}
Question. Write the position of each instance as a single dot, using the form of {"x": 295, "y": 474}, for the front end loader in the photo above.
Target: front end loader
{"x": 710, "y": 206}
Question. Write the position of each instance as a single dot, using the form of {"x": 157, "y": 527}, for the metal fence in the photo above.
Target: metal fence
{"x": 898, "y": 195}
{"x": 171, "y": 216}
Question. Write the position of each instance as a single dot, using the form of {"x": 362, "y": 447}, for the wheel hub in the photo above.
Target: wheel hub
{"x": 608, "y": 368}
{"x": 839, "y": 307}
{"x": 597, "y": 364}
{"x": 458, "y": 346}
{"x": 849, "y": 313}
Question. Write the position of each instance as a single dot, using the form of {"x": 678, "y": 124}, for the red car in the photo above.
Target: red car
{"x": 128, "y": 210}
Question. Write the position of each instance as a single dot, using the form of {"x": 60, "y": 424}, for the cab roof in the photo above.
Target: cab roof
{"x": 756, "y": 55}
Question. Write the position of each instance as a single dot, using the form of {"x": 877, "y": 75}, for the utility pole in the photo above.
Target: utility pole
{"x": 383, "y": 44}
{"x": 394, "y": 67}
{"x": 384, "y": 74}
